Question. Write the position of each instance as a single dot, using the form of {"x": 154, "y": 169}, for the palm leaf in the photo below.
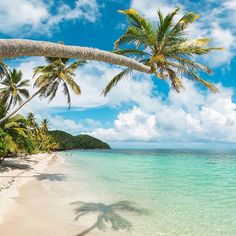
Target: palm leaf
{"x": 67, "y": 94}
{"x": 115, "y": 80}
{"x": 205, "y": 83}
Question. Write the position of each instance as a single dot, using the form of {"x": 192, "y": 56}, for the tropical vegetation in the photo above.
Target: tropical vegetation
{"x": 67, "y": 141}
{"x": 48, "y": 79}
{"x": 18, "y": 135}
{"x": 161, "y": 48}
{"x": 164, "y": 47}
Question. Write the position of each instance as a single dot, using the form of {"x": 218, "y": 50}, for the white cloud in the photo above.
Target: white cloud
{"x": 24, "y": 17}
{"x": 191, "y": 116}
{"x": 186, "y": 118}
{"x": 149, "y": 7}
{"x": 230, "y": 4}
{"x": 92, "y": 79}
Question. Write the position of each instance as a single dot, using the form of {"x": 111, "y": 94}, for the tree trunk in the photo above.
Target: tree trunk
{"x": 10, "y": 48}
{"x": 2, "y": 159}
{"x": 19, "y": 107}
{"x": 88, "y": 230}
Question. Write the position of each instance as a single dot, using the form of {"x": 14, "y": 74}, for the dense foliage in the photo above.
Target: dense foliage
{"x": 83, "y": 141}
{"x": 23, "y": 135}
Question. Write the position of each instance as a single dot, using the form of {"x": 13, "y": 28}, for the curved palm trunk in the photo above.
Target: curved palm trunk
{"x": 2, "y": 159}
{"x": 10, "y": 48}
{"x": 94, "y": 226}
{"x": 19, "y": 107}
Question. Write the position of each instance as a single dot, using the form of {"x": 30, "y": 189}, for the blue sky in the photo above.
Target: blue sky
{"x": 140, "y": 111}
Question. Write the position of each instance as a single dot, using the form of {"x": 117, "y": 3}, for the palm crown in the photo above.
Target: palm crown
{"x": 164, "y": 47}
{"x": 56, "y": 72}
{"x": 13, "y": 88}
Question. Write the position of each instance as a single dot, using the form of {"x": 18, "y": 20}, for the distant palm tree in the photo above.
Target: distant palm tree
{"x": 57, "y": 72}
{"x": 32, "y": 120}
{"x": 107, "y": 215}
{"x": 44, "y": 125}
{"x": 14, "y": 88}
{"x": 164, "y": 47}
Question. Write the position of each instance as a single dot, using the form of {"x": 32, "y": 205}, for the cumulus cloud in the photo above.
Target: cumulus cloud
{"x": 92, "y": 79}
{"x": 24, "y": 17}
{"x": 187, "y": 117}
{"x": 191, "y": 116}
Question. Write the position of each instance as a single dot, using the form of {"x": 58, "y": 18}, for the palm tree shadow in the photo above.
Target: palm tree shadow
{"x": 108, "y": 216}
{"x": 50, "y": 177}
{"x": 11, "y": 164}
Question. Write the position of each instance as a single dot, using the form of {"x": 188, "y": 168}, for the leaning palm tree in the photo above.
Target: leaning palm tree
{"x": 107, "y": 215}
{"x": 164, "y": 47}
{"x": 13, "y": 89}
{"x": 11, "y": 48}
{"x": 57, "y": 71}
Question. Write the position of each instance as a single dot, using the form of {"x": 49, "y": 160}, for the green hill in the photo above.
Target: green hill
{"x": 82, "y": 141}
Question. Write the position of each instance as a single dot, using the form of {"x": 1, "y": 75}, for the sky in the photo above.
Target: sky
{"x": 141, "y": 112}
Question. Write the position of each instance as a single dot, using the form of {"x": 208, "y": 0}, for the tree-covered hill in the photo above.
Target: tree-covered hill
{"x": 67, "y": 141}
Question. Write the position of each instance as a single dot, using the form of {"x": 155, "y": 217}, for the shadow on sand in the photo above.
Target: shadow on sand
{"x": 108, "y": 216}
{"x": 50, "y": 177}
{"x": 9, "y": 164}
{"x": 40, "y": 177}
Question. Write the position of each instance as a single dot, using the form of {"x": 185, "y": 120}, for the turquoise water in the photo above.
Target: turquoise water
{"x": 187, "y": 193}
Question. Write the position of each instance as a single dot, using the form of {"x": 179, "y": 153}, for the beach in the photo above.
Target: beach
{"x": 15, "y": 173}
{"x": 184, "y": 193}
{"x": 34, "y": 201}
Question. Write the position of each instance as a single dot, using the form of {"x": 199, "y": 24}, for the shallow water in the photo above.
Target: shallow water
{"x": 186, "y": 192}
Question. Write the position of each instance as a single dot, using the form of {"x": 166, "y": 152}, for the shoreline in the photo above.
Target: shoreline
{"x": 13, "y": 179}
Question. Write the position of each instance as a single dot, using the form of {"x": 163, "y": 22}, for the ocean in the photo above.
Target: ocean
{"x": 179, "y": 192}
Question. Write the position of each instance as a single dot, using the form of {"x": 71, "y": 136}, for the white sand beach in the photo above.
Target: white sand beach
{"x": 34, "y": 202}
{"x": 16, "y": 173}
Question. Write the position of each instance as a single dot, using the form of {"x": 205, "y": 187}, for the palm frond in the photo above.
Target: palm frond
{"x": 205, "y": 83}
{"x": 176, "y": 83}
{"x": 73, "y": 85}
{"x": 75, "y": 65}
{"x": 115, "y": 80}
{"x": 67, "y": 94}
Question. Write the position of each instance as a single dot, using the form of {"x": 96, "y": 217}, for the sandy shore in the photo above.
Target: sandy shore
{"x": 17, "y": 172}
{"x": 39, "y": 201}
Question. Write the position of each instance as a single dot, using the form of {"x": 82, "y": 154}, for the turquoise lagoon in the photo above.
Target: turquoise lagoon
{"x": 186, "y": 192}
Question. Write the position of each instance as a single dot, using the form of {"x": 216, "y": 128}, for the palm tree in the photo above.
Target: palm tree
{"x": 13, "y": 90}
{"x": 107, "y": 215}
{"x": 11, "y": 131}
{"x": 164, "y": 48}
{"x": 3, "y": 69}
{"x": 31, "y": 120}
{"x": 11, "y": 48}
{"x": 44, "y": 125}
{"x": 57, "y": 72}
